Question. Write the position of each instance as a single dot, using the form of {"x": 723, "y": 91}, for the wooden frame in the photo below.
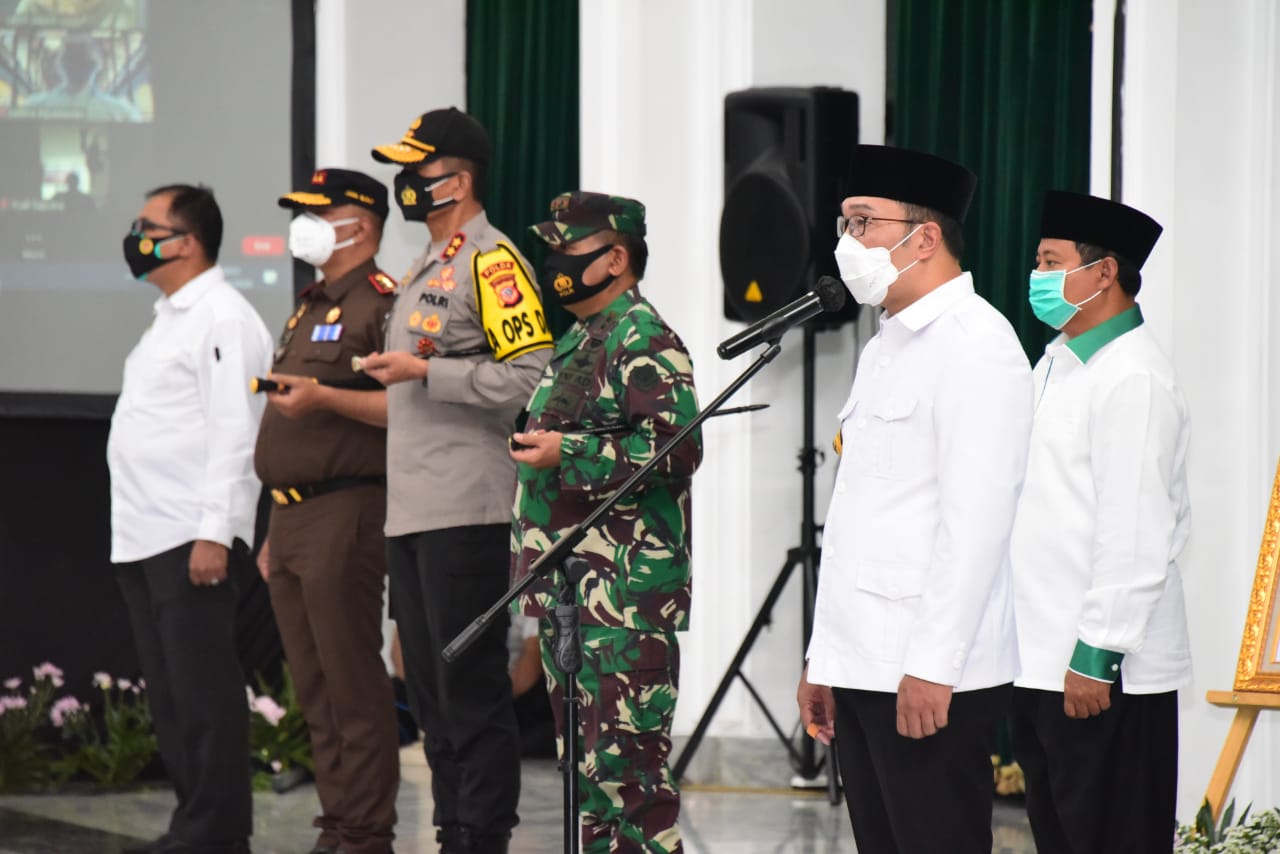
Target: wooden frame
{"x": 1259, "y": 666}
{"x": 1257, "y": 683}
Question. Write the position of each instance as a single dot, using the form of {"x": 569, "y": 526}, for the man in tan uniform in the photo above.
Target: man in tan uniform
{"x": 466, "y": 343}
{"x": 322, "y": 455}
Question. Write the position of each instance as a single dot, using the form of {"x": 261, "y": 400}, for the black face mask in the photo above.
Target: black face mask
{"x": 562, "y": 276}
{"x": 413, "y": 195}
{"x": 142, "y": 253}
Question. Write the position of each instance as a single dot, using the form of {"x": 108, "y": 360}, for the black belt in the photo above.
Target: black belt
{"x": 286, "y": 495}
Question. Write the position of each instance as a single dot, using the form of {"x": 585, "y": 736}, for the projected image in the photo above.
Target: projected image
{"x": 73, "y": 164}
{"x": 81, "y": 60}
{"x": 100, "y": 102}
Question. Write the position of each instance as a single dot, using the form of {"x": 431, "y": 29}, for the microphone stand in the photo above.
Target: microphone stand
{"x": 560, "y": 554}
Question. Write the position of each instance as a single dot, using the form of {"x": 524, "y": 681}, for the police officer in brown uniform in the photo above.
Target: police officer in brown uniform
{"x": 322, "y": 455}
{"x": 466, "y": 344}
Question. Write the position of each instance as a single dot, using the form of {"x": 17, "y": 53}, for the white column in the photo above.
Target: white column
{"x": 1200, "y": 155}
{"x": 379, "y": 65}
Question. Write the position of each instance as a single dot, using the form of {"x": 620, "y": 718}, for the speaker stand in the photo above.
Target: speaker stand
{"x": 803, "y": 759}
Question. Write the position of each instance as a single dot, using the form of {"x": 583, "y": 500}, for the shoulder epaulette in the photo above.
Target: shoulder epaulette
{"x": 455, "y": 244}
{"x": 382, "y": 283}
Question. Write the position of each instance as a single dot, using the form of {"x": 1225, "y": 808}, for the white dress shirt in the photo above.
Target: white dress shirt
{"x": 1104, "y": 515}
{"x": 180, "y": 450}
{"x": 915, "y": 575}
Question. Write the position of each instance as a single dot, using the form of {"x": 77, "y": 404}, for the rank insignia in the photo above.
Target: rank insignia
{"x": 327, "y": 332}
{"x": 382, "y": 283}
{"x": 426, "y": 347}
{"x": 332, "y": 315}
{"x": 455, "y": 244}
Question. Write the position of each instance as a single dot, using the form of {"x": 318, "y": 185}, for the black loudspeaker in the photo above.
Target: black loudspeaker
{"x": 787, "y": 154}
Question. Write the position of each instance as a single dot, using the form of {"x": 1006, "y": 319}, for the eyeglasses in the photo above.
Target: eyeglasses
{"x": 856, "y": 225}
{"x": 143, "y": 225}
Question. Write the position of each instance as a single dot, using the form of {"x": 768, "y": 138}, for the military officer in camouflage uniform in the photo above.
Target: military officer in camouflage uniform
{"x": 619, "y": 365}
{"x": 466, "y": 343}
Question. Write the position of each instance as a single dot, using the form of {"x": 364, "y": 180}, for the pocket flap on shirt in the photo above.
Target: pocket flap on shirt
{"x": 894, "y": 409}
{"x": 325, "y": 351}
{"x": 892, "y": 582}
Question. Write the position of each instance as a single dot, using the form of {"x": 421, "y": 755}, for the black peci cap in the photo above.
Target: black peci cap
{"x": 913, "y": 178}
{"x": 1108, "y": 225}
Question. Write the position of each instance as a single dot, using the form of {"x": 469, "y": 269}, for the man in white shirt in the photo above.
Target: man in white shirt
{"x": 913, "y": 649}
{"x": 1104, "y": 514}
{"x": 183, "y": 501}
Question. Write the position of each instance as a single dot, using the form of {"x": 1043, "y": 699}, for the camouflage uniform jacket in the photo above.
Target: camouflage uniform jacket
{"x": 622, "y": 366}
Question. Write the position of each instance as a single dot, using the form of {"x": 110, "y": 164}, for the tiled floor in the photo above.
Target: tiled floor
{"x": 720, "y": 819}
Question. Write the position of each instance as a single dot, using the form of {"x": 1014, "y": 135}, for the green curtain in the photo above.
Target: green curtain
{"x": 1002, "y": 86}
{"x": 522, "y": 84}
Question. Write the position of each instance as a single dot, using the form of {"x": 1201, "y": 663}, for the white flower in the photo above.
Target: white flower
{"x": 277, "y": 766}
{"x": 124, "y": 684}
{"x": 269, "y": 709}
{"x": 14, "y": 683}
{"x": 48, "y": 670}
{"x": 12, "y": 703}
{"x": 63, "y": 709}
{"x": 102, "y": 680}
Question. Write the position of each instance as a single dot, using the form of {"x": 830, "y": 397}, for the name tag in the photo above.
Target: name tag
{"x": 327, "y": 332}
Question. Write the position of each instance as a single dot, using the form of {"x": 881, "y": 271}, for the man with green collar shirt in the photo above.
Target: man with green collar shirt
{"x": 622, "y": 365}
{"x": 1102, "y": 630}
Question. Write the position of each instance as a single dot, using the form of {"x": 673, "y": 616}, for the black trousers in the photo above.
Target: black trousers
{"x": 919, "y": 796}
{"x": 185, "y": 636}
{"x": 1102, "y": 784}
{"x": 440, "y": 582}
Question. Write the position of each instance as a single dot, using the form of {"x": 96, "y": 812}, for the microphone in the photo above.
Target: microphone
{"x": 827, "y": 295}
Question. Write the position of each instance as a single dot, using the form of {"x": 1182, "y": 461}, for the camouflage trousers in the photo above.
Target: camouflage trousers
{"x": 627, "y": 696}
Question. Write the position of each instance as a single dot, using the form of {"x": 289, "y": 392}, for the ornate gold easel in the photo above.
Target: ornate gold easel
{"x": 1257, "y": 682}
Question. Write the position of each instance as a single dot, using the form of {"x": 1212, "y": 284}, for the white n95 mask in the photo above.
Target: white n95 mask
{"x": 868, "y": 271}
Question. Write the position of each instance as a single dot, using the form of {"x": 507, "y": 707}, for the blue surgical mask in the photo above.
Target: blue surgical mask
{"x": 1047, "y": 301}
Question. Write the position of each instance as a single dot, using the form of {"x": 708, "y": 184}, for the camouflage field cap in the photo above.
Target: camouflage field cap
{"x": 578, "y": 215}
